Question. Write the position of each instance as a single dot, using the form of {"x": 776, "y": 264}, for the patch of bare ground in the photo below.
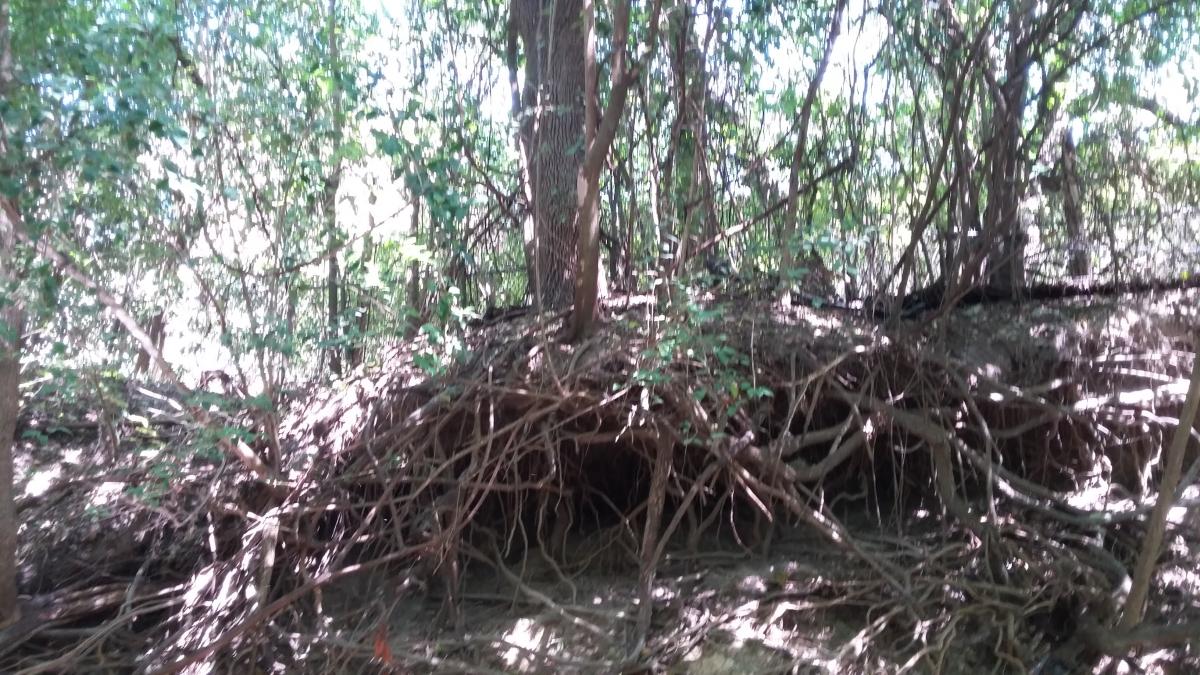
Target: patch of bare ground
{"x": 742, "y": 488}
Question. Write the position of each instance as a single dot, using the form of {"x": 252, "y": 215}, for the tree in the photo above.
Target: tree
{"x": 599, "y": 134}
{"x": 1077, "y": 256}
{"x": 551, "y": 131}
{"x": 1006, "y": 180}
{"x": 11, "y": 327}
{"x": 329, "y": 200}
{"x": 1143, "y": 573}
{"x": 804, "y": 117}
{"x": 565, "y": 152}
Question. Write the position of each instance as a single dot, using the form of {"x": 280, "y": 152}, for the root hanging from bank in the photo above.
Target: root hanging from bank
{"x": 1034, "y": 459}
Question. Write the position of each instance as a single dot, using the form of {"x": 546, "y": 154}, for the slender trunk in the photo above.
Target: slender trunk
{"x": 619, "y": 246}
{"x": 1077, "y": 260}
{"x": 11, "y": 326}
{"x": 632, "y": 216}
{"x": 678, "y": 182}
{"x": 416, "y": 311}
{"x": 362, "y": 312}
{"x": 700, "y": 95}
{"x": 523, "y": 138}
{"x": 587, "y": 185}
{"x": 964, "y": 203}
{"x": 157, "y": 334}
{"x": 1156, "y": 526}
{"x": 791, "y": 224}
{"x": 332, "y": 183}
{"x": 657, "y": 234}
{"x": 600, "y": 132}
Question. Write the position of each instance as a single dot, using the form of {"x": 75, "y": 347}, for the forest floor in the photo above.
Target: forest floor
{"x": 501, "y": 515}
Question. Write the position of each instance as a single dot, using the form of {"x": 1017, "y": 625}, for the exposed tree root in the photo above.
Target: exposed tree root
{"x": 527, "y": 444}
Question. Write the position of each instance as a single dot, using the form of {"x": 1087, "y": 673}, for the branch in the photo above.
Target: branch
{"x": 185, "y": 61}
{"x": 623, "y": 78}
{"x": 790, "y": 224}
{"x": 1135, "y": 604}
{"x": 841, "y": 166}
{"x": 1152, "y": 105}
{"x": 239, "y": 449}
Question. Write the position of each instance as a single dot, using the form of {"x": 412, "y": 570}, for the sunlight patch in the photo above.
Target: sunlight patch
{"x": 42, "y": 481}
{"x": 107, "y": 492}
{"x": 527, "y": 637}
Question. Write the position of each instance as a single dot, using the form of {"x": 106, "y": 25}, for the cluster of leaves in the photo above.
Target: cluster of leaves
{"x": 723, "y": 375}
{"x": 445, "y": 336}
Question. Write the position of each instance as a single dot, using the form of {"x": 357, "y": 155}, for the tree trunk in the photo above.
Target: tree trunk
{"x": 551, "y": 129}
{"x": 11, "y": 327}
{"x": 1077, "y": 258}
{"x": 11, "y": 324}
{"x": 657, "y": 234}
{"x": 158, "y": 330}
{"x": 415, "y": 293}
{"x": 357, "y": 349}
{"x": 619, "y": 246}
{"x": 632, "y": 217}
{"x": 964, "y": 218}
{"x": 791, "y": 224}
{"x": 599, "y": 132}
{"x": 1006, "y": 235}
{"x": 332, "y": 183}
{"x": 679, "y": 170}
{"x": 1156, "y": 526}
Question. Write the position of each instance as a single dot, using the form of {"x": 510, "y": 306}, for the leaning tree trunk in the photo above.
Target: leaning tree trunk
{"x": 551, "y": 130}
{"x": 158, "y": 330}
{"x": 1143, "y": 573}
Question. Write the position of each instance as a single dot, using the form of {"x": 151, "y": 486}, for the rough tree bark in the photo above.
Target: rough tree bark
{"x": 566, "y": 140}
{"x": 11, "y": 327}
{"x": 551, "y": 131}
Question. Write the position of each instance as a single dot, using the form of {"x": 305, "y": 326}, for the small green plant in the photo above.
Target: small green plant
{"x": 445, "y": 337}
{"x": 724, "y": 372}
{"x": 36, "y": 435}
